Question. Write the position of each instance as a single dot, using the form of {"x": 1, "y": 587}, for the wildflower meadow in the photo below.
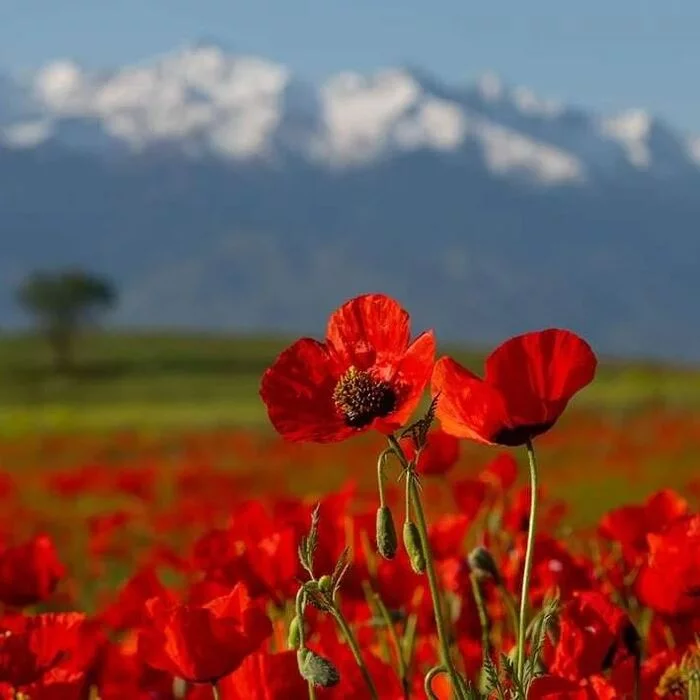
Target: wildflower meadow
{"x": 405, "y": 527}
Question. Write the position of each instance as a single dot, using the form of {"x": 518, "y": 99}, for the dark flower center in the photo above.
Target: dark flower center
{"x": 361, "y": 398}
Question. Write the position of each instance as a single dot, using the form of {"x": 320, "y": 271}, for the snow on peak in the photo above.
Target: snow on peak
{"x": 528, "y": 103}
{"x": 207, "y": 100}
{"x": 631, "y": 129}
{"x": 230, "y": 104}
{"x": 61, "y": 86}
{"x": 361, "y": 114}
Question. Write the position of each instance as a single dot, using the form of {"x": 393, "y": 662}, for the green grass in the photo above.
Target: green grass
{"x": 158, "y": 381}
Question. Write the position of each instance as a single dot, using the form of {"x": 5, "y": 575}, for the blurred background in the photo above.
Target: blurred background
{"x": 186, "y": 186}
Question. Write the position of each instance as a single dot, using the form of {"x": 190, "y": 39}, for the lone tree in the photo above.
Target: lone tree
{"x": 63, "y": 302}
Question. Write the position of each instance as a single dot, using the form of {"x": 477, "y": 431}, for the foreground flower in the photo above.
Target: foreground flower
{"x": 202, "y": 644}
{"x": 669, "y": 581}
{"x": 529, "y": 381}
{"x": 367, "y": 374}
{"x": 32, "y": 646}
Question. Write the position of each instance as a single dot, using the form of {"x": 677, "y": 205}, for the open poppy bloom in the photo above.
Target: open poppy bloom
{"x": 203, "y": 643}
{"x": 367, "y": 374}
{"x": 528, "y": 382}
{"x": 32, "y": 646}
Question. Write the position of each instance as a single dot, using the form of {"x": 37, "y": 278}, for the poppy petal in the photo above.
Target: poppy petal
{"x": 298, "y": 393}
{"x": 409, "y": 380}
{"x": 467, "y": 406}
{"x": 539, "y": 372}
{"x": 369, "y": 329}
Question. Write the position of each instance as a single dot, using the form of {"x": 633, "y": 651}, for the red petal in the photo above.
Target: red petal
{"x": 467, "y": 406}
{"x": 298, "y": 393}
{"x": 409, "y": 380}
{"x": 368, "y": 330}
{"x": 539, "y": 372}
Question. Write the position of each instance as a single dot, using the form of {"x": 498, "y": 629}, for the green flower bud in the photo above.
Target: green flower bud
{"x": 319, "y": 671}
{"x": 387, "y": 542}
{"x": 325, "y": 583}
{"x": 482, "y": 564}
{"x": 414, "y": 548}
{"x": 294, "y": 634}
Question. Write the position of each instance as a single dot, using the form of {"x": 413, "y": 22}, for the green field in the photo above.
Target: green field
{"x": 163, "y": 381}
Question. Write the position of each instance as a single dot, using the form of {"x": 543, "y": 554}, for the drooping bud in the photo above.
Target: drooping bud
{"x": 387, "y": 542}
{"x": 294, "y": 634}
{"x": 325, "y": 583}
{"x": 317, "y": 670}
{"x": 482, "y": 564}
{"x": 414, "y": 548}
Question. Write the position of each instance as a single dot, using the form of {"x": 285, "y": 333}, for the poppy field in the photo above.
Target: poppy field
{"x": 378, "y": 536}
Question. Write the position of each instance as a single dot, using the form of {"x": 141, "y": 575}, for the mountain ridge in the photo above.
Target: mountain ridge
{"x": 222, "y": 192}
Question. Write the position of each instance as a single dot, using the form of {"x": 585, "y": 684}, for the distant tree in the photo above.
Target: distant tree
{"x": 63, "y": 302}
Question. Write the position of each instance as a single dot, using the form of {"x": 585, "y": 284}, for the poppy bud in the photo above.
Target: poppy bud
{"x": 414, "y": 548}
{"x": 294, "y": 635}
{"x": 482, "y": 564}
{"x": 317, "y": 670}
{"x": 386, "y": 533}
{"x": 325, "y": 583}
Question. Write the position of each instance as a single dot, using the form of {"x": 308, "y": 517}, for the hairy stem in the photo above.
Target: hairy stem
{"x": 355, "y": 648}
{"x": 429, "y": 570}
{"x": 529, "y": 552}
{"x": 483, "y": 617}
{"x": 400, "y": 659}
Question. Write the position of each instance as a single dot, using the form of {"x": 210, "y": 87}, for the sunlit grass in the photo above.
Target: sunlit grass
{"x": 153, "y": 381}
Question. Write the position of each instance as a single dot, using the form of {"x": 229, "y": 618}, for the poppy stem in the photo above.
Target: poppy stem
{"x": 529, "y": 551}
{"x": 380, "y": 475}
{"x": 215, "y": 691}
{"x": 355, "y": 648}
{"x": 398, "y": 650}
{"x": 434, "y": 589}
{"x": 484, "y": 621}
{"x": 414, "y": 496}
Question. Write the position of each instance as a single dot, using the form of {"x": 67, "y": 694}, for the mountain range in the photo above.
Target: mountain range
{"x": 221, "y": 191}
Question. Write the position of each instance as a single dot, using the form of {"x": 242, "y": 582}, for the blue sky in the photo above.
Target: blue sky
{"x": 604, "y": 54}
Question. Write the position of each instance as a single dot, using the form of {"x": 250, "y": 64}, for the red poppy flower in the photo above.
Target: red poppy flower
{"x": 367, "y": 374}
{"x": 439, "y": 454}
{"x": 203, "y": 643}
{"x": 669, "y": 582}
{"x": 31, "y": 646}
{"x": 127, "y": 610}
{"x": 594, "y": 635}
{"x": 266, "y": 676}
{"x": 30, "y": 572}
{"x": 630, "y": 525}
{"x": 529, "y": 381}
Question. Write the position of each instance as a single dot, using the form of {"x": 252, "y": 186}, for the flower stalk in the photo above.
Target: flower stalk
{"x": 529, "y": 556}
{"x": 415, "y": 501}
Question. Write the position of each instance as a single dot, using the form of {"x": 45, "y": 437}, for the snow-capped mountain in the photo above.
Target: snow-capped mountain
{"x": 221, "y": 190}
{"x": 205, "y": 101}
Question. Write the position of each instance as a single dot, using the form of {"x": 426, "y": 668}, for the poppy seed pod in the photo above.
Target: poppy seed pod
{"x": 414, "y": 547}
{"x": 387, "y": 542}
{"x": 482, "y": 564}
{"x": 317, "y": 670}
